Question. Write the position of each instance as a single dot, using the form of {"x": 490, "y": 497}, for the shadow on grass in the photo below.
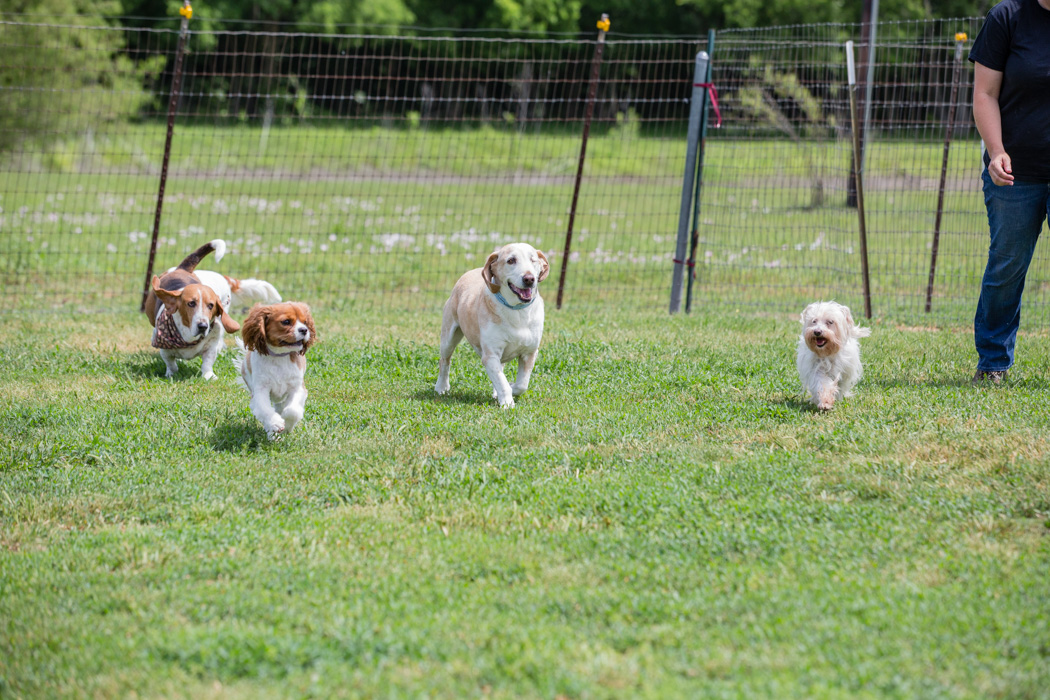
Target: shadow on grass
{"x": 152, "y": 367}
{"x": 469, "y": 398}
{"x": 798, "y": 403}
{"x": 239, "y": 436}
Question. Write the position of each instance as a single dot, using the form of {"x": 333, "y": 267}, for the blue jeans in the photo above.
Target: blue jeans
{"x": 1015, "y": 219}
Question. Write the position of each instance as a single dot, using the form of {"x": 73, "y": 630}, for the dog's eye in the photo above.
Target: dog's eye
{"x": 831, "y": 323}
{"x": 192, "y": 304}
{"x": 512, "y": 261}
{"x": 286, "y": 322}
{"x": 211, "y": 306}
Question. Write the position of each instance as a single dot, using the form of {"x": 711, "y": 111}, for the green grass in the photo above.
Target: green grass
{"x": 661, "y": 515}
{"x": 366, "y": 218}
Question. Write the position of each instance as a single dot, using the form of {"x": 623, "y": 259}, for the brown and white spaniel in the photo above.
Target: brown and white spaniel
{"x": 272, "y": 363}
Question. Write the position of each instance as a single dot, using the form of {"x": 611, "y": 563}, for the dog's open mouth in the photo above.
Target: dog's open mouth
{"x": 291, "y": 343}
{"x": 523, "y": 294}
{"x": 820, "y": 342}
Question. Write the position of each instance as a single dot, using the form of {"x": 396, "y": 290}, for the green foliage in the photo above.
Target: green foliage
{"x": 628, "y": 16}
{"x": 766, "y": 100}
{"x": 534, "y": 15}
{"x": 331, "y": 13}
{"x": 50, "y": 75}
{"x": 757, "y": 13}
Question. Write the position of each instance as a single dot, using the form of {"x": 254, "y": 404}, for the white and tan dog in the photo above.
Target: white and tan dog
{"x": 189, "y": 309}
{"x": 272, "y": 363}
{"x": 498, "y": 309}
{"x": 828, "y": 353}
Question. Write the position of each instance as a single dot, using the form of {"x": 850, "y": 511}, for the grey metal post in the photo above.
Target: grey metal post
{"x": 869, "y": 78}
{"x": 694, "y": 238}
{"x": 176, "y": 83}
{"x": 696, "y": 109}
{"x": 852, "y": 79}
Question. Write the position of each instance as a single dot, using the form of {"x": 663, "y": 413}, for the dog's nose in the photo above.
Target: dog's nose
{"x": 528, "y": 280}
{"x": 201, "y": 326}
{"x": 817, "y": 333}
{"x": 302, "y": 332}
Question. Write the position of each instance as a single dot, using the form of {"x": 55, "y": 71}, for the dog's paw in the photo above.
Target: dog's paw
{"x": 442, "y": 388}
{"x": 509, "y": 403}
{"x": 825, "y": 405}
{"x": 209, "y": 376}
{"x": 275, "y": 429}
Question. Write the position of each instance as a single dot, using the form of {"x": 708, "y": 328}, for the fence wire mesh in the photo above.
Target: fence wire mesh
{"x": 361, "y": 170}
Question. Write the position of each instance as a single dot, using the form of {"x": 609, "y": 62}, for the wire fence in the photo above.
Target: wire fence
{"x": 362, "y": 171}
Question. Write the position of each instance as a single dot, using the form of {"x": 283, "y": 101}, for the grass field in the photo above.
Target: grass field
{"x": 661, "y": 515}
{"x": 368, "y": 218}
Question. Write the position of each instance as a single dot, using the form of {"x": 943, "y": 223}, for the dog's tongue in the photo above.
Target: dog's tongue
{"x": 524, "y": 294}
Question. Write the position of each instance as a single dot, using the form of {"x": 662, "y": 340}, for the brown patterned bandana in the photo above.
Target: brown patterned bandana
{"x": 166, "y": 335}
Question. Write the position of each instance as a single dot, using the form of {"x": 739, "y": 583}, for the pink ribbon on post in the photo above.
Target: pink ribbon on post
{"x": 710, "y": 87}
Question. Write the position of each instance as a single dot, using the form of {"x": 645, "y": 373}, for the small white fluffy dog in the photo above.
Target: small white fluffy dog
{"x": 498, "y": 309}
{"x": 271, "y": 360}
{"x": 828, "y": 352}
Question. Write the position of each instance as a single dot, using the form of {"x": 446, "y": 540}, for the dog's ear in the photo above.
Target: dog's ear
{"x": 545, "y": 267}
{"x": 254, "y": 330}
{"x": 228, "y": 323}
{"x": 164, "y": 293}
{"x": 848, "y": 314}
{"x": 489, "y": 272}
{"x": 854, "y": 330}
{"x": 308, "y": 319}
{"x": 805, "y": 314}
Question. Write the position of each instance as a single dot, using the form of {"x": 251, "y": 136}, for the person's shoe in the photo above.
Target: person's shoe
{"x": 995, "y": 376}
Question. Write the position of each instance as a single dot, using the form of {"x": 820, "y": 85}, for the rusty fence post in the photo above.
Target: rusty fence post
{"x": 959, "y": 39}
{"x": 592, "y": 92}
{"x": 176, "y": 83}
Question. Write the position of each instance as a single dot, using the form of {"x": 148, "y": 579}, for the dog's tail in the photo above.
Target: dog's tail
{"x": 247, "y": 293}
{"x": 238, "y": 361}
{"x": 218, "y": 246}
{"x": 859, "y": 332}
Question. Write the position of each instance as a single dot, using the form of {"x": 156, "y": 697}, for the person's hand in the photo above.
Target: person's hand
{"x": 1000, "y": 169}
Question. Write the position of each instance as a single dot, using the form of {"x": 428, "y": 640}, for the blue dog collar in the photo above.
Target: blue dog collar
{"x": 516, "y": 307}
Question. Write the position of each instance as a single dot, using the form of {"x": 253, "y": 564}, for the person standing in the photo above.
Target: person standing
{"x": 1011, "y": 107}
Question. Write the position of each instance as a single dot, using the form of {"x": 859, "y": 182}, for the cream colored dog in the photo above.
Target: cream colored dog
{"x": 828, "y": 353}
{"x": 498, "y": 309}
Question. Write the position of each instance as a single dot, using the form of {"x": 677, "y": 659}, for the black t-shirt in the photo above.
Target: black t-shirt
{"x": 1015, "y": 40}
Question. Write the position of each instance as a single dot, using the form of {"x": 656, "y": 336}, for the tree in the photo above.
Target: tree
{"x": 51, "y": 75}
{"x": 720, "y": 14}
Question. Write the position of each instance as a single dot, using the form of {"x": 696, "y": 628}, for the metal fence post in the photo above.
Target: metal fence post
{"x": 592, "y": 92}
{"x": 187, "y": 12}
{"x": 852, "y": 79}
{"x": 696, "y": 108}
{"x": 959, "y": 39}
{"x": 695, "y": 237}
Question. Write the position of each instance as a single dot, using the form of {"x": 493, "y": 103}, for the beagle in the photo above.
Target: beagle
{"x": 188, "y": 309}
{"x": 498, "y": 309}
{"x": 271, "y": 360}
